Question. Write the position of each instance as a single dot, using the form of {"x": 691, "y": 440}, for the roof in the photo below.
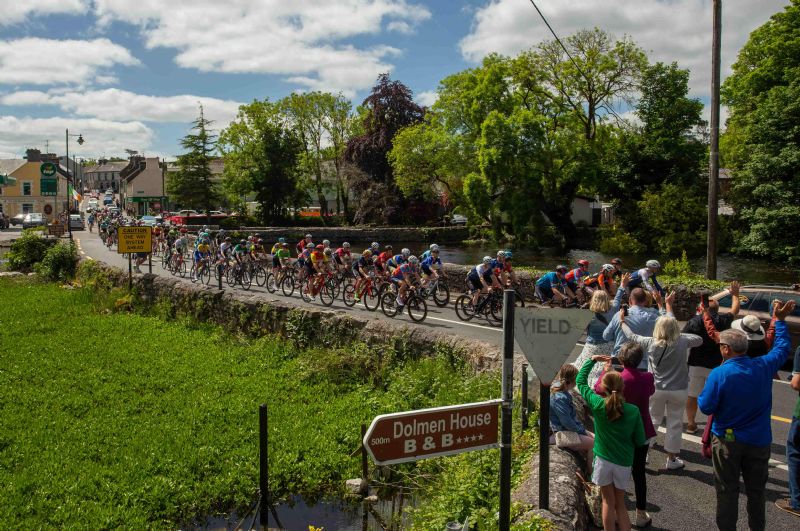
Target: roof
{"x": 107, "y": 167}
{"x": 725, "y": 173}
{"x": 217, "y": 166}
{"x": 9, "y": 166}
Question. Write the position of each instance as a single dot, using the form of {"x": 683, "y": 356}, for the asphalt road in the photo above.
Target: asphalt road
{"x": 678, "y": 500}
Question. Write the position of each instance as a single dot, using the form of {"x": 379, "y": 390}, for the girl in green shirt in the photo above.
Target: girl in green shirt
{"x": 618, "y": 430}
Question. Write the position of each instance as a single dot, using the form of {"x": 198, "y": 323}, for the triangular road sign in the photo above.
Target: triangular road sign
{"x": 547, "y": 337}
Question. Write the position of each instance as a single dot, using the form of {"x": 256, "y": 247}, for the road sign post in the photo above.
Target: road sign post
{"x": 435, "y": 432}
{"x": 547, "y": 337}
{"x": 508, "y": 398}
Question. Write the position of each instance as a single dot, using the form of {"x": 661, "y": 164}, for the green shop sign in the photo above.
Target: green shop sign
{"x": 47, "y": 169}
{"x": 141, "y": 199}
{"x": 49, "y": 186}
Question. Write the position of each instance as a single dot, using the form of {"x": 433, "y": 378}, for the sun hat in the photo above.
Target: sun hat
{"x": 750, "y": 325}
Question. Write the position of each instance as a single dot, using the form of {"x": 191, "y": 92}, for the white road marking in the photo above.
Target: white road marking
{"x": 462, "y": 323}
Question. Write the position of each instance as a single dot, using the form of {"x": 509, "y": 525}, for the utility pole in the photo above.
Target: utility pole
{"x": 713, "y": 163}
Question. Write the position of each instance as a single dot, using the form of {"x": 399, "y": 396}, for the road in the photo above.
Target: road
{"x": 682, "y": 499}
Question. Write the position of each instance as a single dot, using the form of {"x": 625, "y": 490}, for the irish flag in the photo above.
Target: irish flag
{"x": 74, "y": 193}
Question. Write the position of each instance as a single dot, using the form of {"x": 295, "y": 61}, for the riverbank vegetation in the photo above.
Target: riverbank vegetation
{"x": 110, "y": 418}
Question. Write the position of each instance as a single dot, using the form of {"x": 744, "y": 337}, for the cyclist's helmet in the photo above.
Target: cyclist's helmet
{"x": 308, "y": 236}
{"x": 413, "y": 260}
{"x": 608, "y": 268}
{"x": 320, "y": 247}
{"x": 346, "y": 245}
{"x": 616, "y": 261}
{"x": 653, "y": 264}
{"x": 173, "y": 232}
{"x": 375, "y": 246}
{"x": 260, "y": 241}
{"x": 183, "y": 230}
{"x": 509, "y": 254}
{"x": 281, "y": 240}
{"x": 562, "y": 268}
{"x": 388, "y": 248}
{"x": 367, "y": 253}
{"x": 583, "y": 263}
{"x": 285, "y": 244}
{"x": 501, "y": 254}
{"x": 227, "y": 239}
{"x": 406, "y": 252}
{"x": 205, "y": 228}
{"x": 310, "y": 245}
{"x": 206, "y": 240}
{"x": 243, "y": 242}
{"x": 326, "y": 243}
{"x": 487, "y": 260}
{"x": 434, "y": 248}
{"x": 328, "y": 251}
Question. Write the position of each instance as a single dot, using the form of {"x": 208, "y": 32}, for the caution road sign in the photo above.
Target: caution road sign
{"x": 134, "y": 240}
{"x": 547, "y": 336}
{"x": 413, "y": 435}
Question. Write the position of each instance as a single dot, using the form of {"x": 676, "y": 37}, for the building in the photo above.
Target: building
{"x": 104, "y": 175}
{"x": 142, "y": 183}
{"x": 29, "y": 190}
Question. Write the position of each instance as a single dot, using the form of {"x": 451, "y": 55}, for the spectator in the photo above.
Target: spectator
{"x": 618, "y": 431}
{"x": 639, "y": 386}
{"x": 739, "y": 395}
{"x": 640, "y": 319}
{"x": 792, "y": 504}
{"x": 563, "y": 417}
{"x": 667, "y": 352}
{"x": 595, "y": 343}
{"x": 705, "y": 357}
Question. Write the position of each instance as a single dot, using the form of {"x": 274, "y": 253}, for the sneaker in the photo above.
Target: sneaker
{"x": 675, "y": 464}
{"x": 691, "y": 429}
{"x": 312, "y": 299}
{"x": 786, "y": 505}
{"x": 642, "y": 519}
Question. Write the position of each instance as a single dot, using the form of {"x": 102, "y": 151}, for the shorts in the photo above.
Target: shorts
{"x": 276, "y": 262}
{"x": 475, "y": 281}
{"x": 605, "y": 473}
{"x": 544, "y": 293}
{"x": 697, "y": 380}
{"x": 572, "y": 286}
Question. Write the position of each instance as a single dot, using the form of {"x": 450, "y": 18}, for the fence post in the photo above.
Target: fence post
{"x": 364, "y": 462}
{"x": 263, "y": 475}
{"x": 219, "y": 276}
{"x": 524, "y": 410}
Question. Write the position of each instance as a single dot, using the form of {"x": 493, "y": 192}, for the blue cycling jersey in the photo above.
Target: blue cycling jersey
{"x": 549, "y": 280}
{"x": 431, "y": 261}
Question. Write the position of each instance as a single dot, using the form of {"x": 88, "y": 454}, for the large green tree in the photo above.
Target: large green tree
{"x": 763, "y": 144}
{"x": 192, "y": 186}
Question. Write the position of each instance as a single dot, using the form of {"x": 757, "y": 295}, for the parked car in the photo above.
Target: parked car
{"x": 18, "y": 219}
{"x": 458, "y": 219}
{"x": 148, "y": 221}
{"x": 108, "y": 200}
{"x": 33, "y": 220}
{"x": 76, "y": 222}
{"x": 109, "y": 192}
{"x": 757, "y": 300}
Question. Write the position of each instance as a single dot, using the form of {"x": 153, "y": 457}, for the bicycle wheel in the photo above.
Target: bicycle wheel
{"x": 287, "y": 285}
{"x": 245, "y": 279}
{"x": 193, "y": 273}
{"x": 464, "y": 309}
{"x": 270, "y": 283}
{"x": 349, "y": 295}
{"x": 260, "y": 276}
{"x": 372, "y": 298}
{"x": 305, "y": 287}
{"x": 230, "y": 276}
{"x": 417, "y": 308}
{"x": 389, "y": 304}
{"x": 495, "y": 314}
{"x": 441, "y": 296}
{"x": 182, "y": 269}
{"x": 328, "y": 292}
{"x": 205, "y": 275}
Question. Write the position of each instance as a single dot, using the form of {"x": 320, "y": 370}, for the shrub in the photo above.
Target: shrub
{"x": 26, "y": 251}
{"x": 615, "y": 240}
{"x": 59, "y": 262}
{"x": 678, "y": 267}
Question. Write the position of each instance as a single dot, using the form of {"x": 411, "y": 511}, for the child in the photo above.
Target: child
{"x": 618, "y": 430}
{"x": 562, "y": 411}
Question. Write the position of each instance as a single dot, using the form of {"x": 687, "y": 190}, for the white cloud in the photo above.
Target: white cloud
{"x": 669, "y": 30}
{"x": 303, "y": 41}
{"x": 427, "y": 98}
{"x": 38, "y": 61}
{"x": 16, "y": 11}
{"x": 116, "y": 104}
{"x": 102, "y": 136}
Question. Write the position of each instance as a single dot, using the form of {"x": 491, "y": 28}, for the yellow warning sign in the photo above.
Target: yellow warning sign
{"x": 135, "y": 240}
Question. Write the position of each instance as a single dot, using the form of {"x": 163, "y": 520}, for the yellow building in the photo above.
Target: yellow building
{"x": 30, "y": 191}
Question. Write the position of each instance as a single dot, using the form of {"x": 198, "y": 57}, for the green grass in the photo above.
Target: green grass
{"x": 111, "y": 420}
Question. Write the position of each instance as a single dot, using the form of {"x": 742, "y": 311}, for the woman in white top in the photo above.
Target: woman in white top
{"x": 667, "y": 356}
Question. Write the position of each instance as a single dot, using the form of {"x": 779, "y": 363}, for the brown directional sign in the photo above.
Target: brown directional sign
{"x": 413, "y": 435}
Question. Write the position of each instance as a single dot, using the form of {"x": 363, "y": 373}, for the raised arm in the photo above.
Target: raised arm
{"x": 777, "y": 356}
{"x": 735, "y": 302}
{"x": 711, "y": 328}
{"x": 582, "y": 381}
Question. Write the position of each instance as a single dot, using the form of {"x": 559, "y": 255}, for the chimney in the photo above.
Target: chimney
{"x": 33, "y": 155}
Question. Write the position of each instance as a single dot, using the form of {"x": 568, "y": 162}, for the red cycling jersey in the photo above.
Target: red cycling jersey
{"x": 341, "y": 252}
{"x": 384, "y": 257}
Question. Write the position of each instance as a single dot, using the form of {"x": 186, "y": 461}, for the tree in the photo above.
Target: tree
{"x": 261, "y": 156}
{"x": 192, "y": 185}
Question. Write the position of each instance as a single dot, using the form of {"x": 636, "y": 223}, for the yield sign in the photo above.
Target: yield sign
{"x": 547, "y": 337}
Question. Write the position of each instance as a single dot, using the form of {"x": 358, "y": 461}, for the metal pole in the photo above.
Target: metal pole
{"x": 67, "y": 146}
{"x": 506, "y": 409}
{"x": 364, "y": 461}
{"x": 544, "y": 447}
{"x": 263, "y": 469}
{"x": 713, "y": 163}
{"x": 524, "y": 409}
{"x": 150, "y": 262}
{"x": 219, "y": 276}
{"x": 130, "y": 272}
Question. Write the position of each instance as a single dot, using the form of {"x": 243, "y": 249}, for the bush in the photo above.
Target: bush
{"x": 678, "y": 267}
{"x": 26, "y": 251}
{"x": 615, "y": 240}
{"x": 59, "y": 262}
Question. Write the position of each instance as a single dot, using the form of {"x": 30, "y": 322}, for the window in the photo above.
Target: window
{"x": 26, "y": 188}
{"x": 760, "y": 303}
{"x": 27, "y": 208}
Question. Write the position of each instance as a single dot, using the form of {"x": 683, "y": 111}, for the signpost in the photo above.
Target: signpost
{"x": 435, "y": 432}
{"x": 134, "y": 240}
{"x": 547, "y": 337}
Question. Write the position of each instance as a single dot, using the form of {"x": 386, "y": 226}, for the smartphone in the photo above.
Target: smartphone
{"x": 616, "y": 365}
{"x": 625, "y": 310}
{"x": 704, "y": 299}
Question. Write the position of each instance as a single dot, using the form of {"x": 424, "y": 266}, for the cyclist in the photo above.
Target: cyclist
{"x": 280, "y": 259}
{"x": 430, "y": 265}
{"x": 342, "y": 257}
{"x": 361, "y": 269}
{"x": 617, "y": 274}
{"x": 403, "y": 276}
{"x": 326, "y": 244}
{"x": 482, "y": 278}
{"x": 257, "y": 251}
{"x": 552, "y": 285}
{"x": 507, "y": 274}
{"x": 430, "y": 250}
{"x": 223, "y": 249}
{"x": 201, "y": 254}
{"x": 574, "y": 278}
{"x": 221, "y": 235}
{"x": 302, "y": 256}
{"x": 302, "y": 244}
{"x": 316, "y": 264}
{"x": 382, "y": 259}
{"x": 604, "y": 280}
{"x": 646, "y": 278}
{"x": 398, "y": 260}
{"x": 240, "y": 252}
{"x": 375, "y": 247}
{"x": 278, "y": 246}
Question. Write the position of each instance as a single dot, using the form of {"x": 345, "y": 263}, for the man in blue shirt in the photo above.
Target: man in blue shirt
{"x": 792, "y": 504}
{"x": 739, "y": 395}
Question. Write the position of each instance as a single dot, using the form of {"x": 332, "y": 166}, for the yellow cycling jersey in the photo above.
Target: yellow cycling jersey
{"x": 276, "y": 248}
{"x": 317, "y": 257}
{"x": 204, "y": 248}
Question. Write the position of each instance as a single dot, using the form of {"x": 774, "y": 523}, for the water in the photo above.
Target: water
{"x": 728, "y": 267}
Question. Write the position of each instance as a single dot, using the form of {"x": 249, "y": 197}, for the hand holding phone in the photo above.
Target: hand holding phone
{"x": 625, "y": 310}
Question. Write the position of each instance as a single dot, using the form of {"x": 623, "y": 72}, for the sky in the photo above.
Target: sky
{"x": 130, "y": 74}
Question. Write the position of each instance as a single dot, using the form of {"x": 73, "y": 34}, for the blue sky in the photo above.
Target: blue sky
{"x": 130, "y": 73}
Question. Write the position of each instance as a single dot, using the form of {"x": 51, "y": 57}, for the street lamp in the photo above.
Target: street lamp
{"x": 80, "y": 143}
